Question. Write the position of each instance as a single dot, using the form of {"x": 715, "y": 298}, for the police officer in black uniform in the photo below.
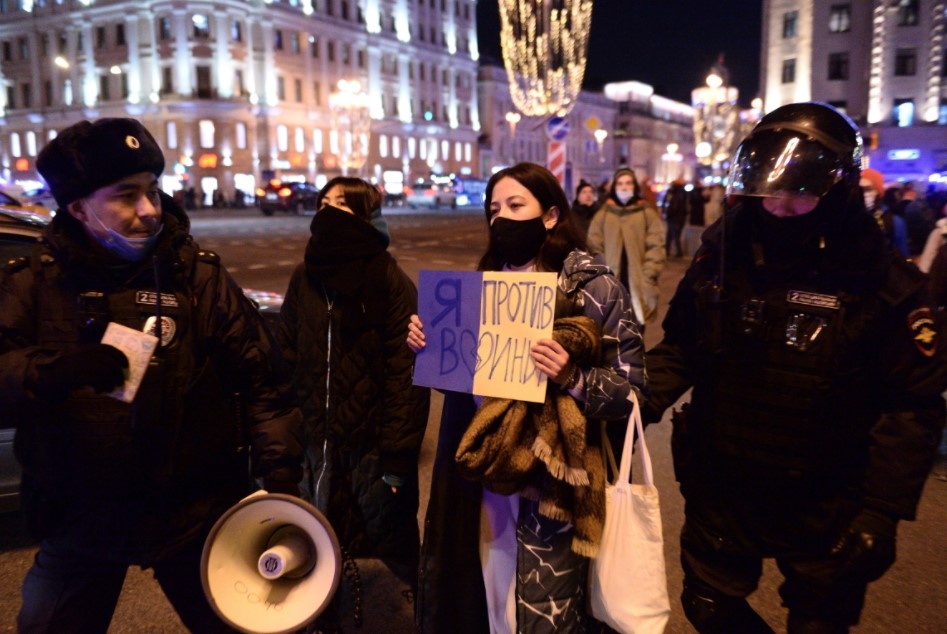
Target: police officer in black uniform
{"x": 110, "y": 482}
{"x": 817, "y": 368}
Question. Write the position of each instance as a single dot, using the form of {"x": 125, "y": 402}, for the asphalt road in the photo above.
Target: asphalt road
{"x": 262, "y": 252}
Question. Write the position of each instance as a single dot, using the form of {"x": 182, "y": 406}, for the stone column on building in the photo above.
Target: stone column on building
{"x": 134, "y": 69}
{"x": 182, "y": 54}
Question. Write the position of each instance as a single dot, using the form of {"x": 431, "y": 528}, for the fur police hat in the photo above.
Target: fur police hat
{"x": 92, "y": 154}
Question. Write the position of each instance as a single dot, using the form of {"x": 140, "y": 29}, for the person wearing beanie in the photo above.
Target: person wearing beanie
{"x": 872, "y": 184}
{"x": 117, "y": 473}
{"x": 629, "y": 232}
{"x": 342, "y": 329}
{"x": 584, "y": 206}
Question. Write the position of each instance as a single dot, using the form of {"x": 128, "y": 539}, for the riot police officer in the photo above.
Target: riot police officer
{"x": 817, "y": 367}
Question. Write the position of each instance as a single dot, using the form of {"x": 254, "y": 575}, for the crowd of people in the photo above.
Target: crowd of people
{"x": 814, "y": 348}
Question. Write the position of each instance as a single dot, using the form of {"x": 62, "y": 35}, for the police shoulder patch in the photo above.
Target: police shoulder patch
{"x": 923, "y": 331}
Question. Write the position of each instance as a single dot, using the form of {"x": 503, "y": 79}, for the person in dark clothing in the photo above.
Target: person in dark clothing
{"x": 584, "y": 206}
{"x": 696, "y": 199}
{"x": 674, "y": 210}
{"x": 342, "y": 330}
{"x": 817, "y": 366}
{"x": 114, "y": 479}
{"x": 918, "y": 218}
{"x": 892, "y": 225}
{"x": 493, "y": 559}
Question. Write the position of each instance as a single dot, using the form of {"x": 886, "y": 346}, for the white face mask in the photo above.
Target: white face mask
{"x": 870, "y": 197}
{"x": 624, "y": 195}
{"x": 125, "y": 248}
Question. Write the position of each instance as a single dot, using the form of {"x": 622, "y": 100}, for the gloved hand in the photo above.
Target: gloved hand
{"x": 868, "y": 547}
{"x": 97, "y": 365}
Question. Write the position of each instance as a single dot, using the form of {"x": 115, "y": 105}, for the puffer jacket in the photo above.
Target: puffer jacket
{"x": 133, "y": 481}
{"x": 363, "y": 417}
{"x": 638, "y": 232}
{"x": 451, "y": 595}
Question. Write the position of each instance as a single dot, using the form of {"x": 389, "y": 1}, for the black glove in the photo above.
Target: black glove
{"x": 97, "y": 365}
{"x": 868, "y": 547}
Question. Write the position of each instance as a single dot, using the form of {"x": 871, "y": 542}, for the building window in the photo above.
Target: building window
{"x": 314, "y": 46}
{"x": 15, "y": 144}
{"x": 346, "y": 54}
{"x": 44, "y": 45}
{"x": 282, "y": 138}
{"x": 27, "y": 92}
{"x": 278, "y": 40}
{"x": 104, "y": 92}
{"x": 7, "y": 52}
{"x": 790, "y": 22}
{"x": 317, "y": 93}
{"x": 361, "y": 58}
{"x": 204, "y": 90}
{"x": 345, "y": 10}
{"x": 383, "y": 145}
{"x": 317, "y": 141}
{"x": 838, "y": 66}
{"x": 299, "y": 139}
{"x": 236, "y": 31}
{"x": 298, "y": 90}
{"x": 281, "y": 89}
{"x": 294, "y": 43}
{"x": 905, "y": 62}
{"x": 123, "y": 85}
{"x": 206, "y": 129}
{"x": 903, "y": 112}
{"x": 942, "y": 112}
{"x": 908, "y": 12}
{"x": 789, "y": 71}
{"x": 100, "y": 41}
{"x": 47, "y": 93}
{"x": 240, "y": 135}
{"x": 330, "y": 50}
{"x": 119, "y": 35}
{"x": 31, "y": 143}
{"x": 167, "y": 80}
{"x": 164, "y": 28}
{"x": 201, "y": 26}
{"x": 840, "y": 18}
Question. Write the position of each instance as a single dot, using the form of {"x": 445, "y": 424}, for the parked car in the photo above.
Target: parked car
{"x": 19, "y": 231}
{"x": 10, "y": 199}
{"x": 430, "y": 194}
{"x": 279, "y": 196}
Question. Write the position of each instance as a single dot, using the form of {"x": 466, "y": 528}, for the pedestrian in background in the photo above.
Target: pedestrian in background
{"x": 629, "y": 233}
{"x": 674, "y": 209}
{"x": 918, "y": 218}
{"x": 696, "y": 201}
{"x": 872, "y": 184}
{"x": 491, "y": 562}
{"x": 714, "y": 202}
{"x": 106, "y": 483}
{"x": 584, "y": 206}
{"x": 817, "y": 370}
{"x": 342, "y": 330}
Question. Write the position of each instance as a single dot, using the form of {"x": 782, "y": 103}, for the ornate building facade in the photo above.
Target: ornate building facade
{"x": 237, "y": 91}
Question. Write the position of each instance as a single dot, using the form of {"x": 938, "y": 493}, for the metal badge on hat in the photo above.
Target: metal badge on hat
{"x": 132, "y": 142}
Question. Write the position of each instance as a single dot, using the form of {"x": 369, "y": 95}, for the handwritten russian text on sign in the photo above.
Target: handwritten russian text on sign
{"x": 479, "y": 328}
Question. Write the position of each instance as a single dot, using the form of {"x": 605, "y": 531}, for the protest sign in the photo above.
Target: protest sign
{"x": 479, "y": 328}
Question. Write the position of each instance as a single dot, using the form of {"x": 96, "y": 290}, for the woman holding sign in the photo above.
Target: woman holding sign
{"x": 493, "y": 558}
{"x": 342, "y": 330}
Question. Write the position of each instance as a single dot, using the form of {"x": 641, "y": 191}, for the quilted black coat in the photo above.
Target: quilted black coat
{"x": 363, "y": 417}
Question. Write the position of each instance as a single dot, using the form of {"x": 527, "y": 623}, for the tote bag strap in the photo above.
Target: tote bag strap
{"x": 634, "y": 425}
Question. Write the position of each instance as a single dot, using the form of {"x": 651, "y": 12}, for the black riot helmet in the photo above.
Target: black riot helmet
{"x": 800, "y": 148}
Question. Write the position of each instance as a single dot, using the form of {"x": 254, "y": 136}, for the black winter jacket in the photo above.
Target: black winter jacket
{"x": 134, "y": 480}
{"x": 853, "y": 413}
{"x": 363, "y": 417}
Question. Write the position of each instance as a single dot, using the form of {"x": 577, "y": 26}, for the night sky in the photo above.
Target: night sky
{"x": 669, "y": 44}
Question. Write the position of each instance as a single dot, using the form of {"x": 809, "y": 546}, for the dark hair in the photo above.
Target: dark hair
{"x": 362, "y": 197}
{"x": 583, "y": 185}
{"x": 636, "y": 196}
{"x": 565, "y": 236}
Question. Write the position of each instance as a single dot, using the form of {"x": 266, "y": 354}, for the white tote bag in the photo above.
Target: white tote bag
{"x": 627, "y": 580}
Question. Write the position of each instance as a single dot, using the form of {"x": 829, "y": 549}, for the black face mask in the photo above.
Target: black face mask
{"x": 516, "y": 242}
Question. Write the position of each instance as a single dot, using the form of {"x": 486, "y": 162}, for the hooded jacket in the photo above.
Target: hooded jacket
{"x": 635, "y": 232}
{"x": 132, "y": 481}
{"x": 352, "y": 373}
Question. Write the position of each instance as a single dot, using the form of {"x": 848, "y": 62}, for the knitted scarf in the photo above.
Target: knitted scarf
{"x": 540, "y": 449}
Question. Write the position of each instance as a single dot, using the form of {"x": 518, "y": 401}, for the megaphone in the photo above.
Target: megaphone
{"x": 271, "y": 564}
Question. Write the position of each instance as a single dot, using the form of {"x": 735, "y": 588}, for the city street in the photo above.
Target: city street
{"x": 261, "y": 252}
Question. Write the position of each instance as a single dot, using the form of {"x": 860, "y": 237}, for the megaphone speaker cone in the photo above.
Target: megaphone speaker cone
{"x": 271, "y": 564}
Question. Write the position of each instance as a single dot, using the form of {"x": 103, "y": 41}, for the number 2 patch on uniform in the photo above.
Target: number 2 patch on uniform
{"x": 921, "y": 323}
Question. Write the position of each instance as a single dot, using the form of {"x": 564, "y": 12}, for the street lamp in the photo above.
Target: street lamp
{"x": 600, "y": 135}
{"x": 715, "y": 119}
{"x": 350, "y": 117}
{"x": 513, "y": 118}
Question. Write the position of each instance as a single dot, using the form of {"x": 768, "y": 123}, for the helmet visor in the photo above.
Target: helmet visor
{"x": 775, "y": 163}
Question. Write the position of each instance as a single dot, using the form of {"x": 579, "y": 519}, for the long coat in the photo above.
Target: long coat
{"x": 637, "y": 231}
{"x": 363, "y": 417}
